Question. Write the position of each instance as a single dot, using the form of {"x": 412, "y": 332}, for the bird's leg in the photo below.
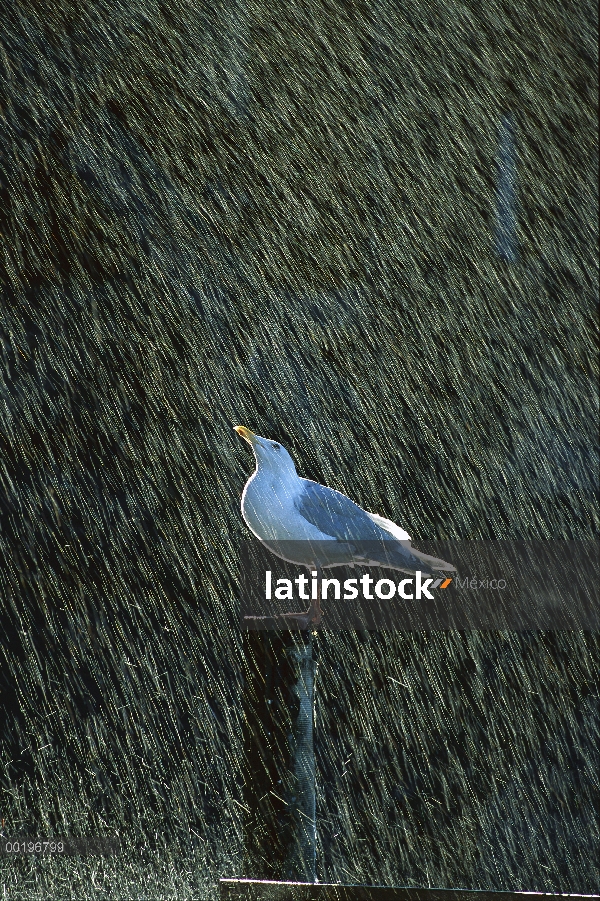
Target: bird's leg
{"x": 302, "y": 619}
{"x": 314, "y": 611}
{"x": 313, "y": 614}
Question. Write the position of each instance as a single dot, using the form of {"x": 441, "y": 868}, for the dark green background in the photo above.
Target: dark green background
{"x": 282, "y": 215}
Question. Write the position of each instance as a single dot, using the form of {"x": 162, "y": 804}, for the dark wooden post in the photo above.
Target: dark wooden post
{"x": 279, "y": 761}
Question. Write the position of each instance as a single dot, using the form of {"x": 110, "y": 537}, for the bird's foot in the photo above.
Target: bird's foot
{"x": 302, "y": 619}
{"x": 312, "y": 617}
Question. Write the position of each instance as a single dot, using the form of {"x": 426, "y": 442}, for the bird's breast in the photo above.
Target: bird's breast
{"x": 269, "y": 510}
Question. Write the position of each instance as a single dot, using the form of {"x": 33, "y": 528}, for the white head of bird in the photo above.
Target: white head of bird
{"x": 271, "y": 456}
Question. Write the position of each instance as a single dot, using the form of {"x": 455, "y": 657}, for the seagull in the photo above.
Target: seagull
{"x": 310, "y": 524}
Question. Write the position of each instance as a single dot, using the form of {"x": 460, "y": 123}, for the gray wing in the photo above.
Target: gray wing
{"x": 335, "y": 514}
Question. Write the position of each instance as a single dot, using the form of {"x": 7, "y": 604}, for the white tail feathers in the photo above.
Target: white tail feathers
{"x": 434, "y": 562}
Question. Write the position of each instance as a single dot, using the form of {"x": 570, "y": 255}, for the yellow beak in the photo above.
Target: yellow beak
{"x": 246, "y": 434}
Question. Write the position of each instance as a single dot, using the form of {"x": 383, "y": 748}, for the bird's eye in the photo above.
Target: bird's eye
{"x": 277, "y": 446}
